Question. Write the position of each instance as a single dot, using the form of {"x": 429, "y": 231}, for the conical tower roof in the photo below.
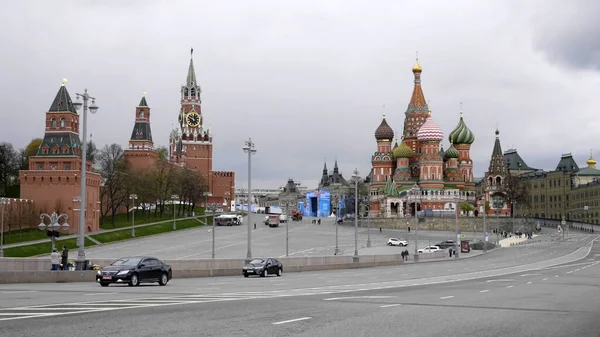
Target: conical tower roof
{"x": 62, "y": 102}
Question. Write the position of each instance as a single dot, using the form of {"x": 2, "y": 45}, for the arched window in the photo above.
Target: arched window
{"x": 498, "y": 181}
{"x": 53, "y": 122}
{"x": 62, "y": 122}
{"x": 65, "y": 149}
{"x": 45, "y": 149}
{"x": 55, "y": 149}
{"x": 141, "y": 113}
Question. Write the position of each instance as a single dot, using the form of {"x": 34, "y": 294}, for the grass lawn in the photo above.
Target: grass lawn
{"x": 43, "y": 248}
{"x": 145, "y": 231}
{"x": 141, "y": 218}
{"x": 27, "y": 234}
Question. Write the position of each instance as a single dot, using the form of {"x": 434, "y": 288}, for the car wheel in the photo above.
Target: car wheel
{"x": 264, "y": 273}
{"x": 104, "y": 284}
{"x": 389, "y": 243}
{"x": 164, "y": 278}
{"x": 245, "y": 274}
{"x": 279, "y": 271}
{"x": 135, "y": 281}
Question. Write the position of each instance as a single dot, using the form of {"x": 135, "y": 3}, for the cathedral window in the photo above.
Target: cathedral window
{"x": 45, "y": 149}
{"x": 55, "y": 149}
{"x": 53, "y": 122}
{"x": 141, "y": 113}
{"x": 65, "y": 149}
{"x": 62, "y": 122}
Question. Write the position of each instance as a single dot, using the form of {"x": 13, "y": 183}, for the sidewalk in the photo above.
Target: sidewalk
{"x": 383, "y": 249}
{"x": 87, "y": 235}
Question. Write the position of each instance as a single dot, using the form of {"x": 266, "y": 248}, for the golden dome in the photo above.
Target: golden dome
{"x": 591, "y": 162}
{"x": 417, "y": 68}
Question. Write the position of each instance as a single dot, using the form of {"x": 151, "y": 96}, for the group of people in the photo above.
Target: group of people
{"x": 58, "y": 260}
{"x": 405, "y": 254}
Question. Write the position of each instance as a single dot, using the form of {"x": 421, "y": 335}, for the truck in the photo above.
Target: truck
{"x": 273, "y": 220}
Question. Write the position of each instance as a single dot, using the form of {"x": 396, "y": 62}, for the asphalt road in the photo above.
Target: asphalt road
{"x": 534, "y": 290}
{"x": 305, "y": 239}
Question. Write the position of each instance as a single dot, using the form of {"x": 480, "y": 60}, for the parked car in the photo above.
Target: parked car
{"x": 446, "y": 244}
{"x": 135, "y": 270}
{"x": 263, "y": 267}
{"x": 397, "y": 242}
{"x": 430, "y": 249}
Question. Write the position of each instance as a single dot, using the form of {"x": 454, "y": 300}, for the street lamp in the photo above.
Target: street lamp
{"x": 213, "y": 207}
{"x": 80, "y": 261}
{"x": 456, "y": 211}
{"x": 368, "y": 208}
{"x": 356, "y": 213}
{"x": 174, "y": 197}
{"x": 133, "y": 198}
{"x": 250, "y": 150}
{"x": 54, "y": 227}
{"x": 3, "y": 202}
{"x": 287, "y": 202}
{"x": 415, "y": 192}
{"x": 336, "y": 201}
{"x": 484, "y": 228}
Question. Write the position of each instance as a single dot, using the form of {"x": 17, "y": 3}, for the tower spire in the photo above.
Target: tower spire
{"x": 191, "y": 75}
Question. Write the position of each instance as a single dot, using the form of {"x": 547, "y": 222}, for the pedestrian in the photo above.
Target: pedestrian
{"x": 379, "y": 229}
{"x": 402, "y": 255}
{"x": 54, "y": 259}
{"x": 406, "y": 253}
{"x": 255, "y": 225}
{"x": 450, "y": 252}
{"x": 409, "y": 229}
{"x": 319, "y": 222}
{"x": 65, "y": 258}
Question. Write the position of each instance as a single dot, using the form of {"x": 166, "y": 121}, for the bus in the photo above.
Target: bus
{"x": 228, "y": 220}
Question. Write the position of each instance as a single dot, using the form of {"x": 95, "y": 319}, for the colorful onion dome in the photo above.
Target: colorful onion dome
{"x": 417, "y": 68}
{"x": 384, "y": 131}
{"x": 452, "y": 152}
{"x": 430, "y": 131}
{"x": 461, "y": 134}
{"x": 403, "y": 151}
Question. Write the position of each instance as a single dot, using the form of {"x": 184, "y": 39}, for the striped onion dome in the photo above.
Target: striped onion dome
{"x": 384, "y": 131}
{"x": 430, "y": 131}
{"x": 461, "y": 134}
{"x": 452, "y": 152}
{"x": 403, "y": 151}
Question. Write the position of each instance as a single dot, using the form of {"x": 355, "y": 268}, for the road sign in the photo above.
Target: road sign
{"x": 462, "y": 236}
{"x": 486, "y": 237}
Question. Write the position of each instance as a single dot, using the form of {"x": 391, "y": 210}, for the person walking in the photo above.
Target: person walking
{"x": 65, "y": 258}
{"x": 255, "y": 225}
{"x": 406, "y": 253}
{"x": 54, "y": 259}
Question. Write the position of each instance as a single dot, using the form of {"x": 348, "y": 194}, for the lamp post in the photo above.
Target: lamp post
{"x": 54, "y": 227}
{"x": 133, "y": 198}
{"x": 80, "y": 261}
{"x": 286, "y": 202}
{"x": 456, "y": 202}
{"x": 336, "y": 200}
{"x": 484, "y": 228}
{"x": 174, "y": 197}
{"x": 415, "y": 192}
{"x": 3, "y": 202}
{"x": 213, "y": 207}
{"x": 250, "y": 150}
{"x": 356, "y": 214}
{"x": 368, "y": 207}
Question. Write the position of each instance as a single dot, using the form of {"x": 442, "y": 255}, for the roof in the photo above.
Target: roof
{"x": 62, "y": 102}
{"x": 567, "y": 163}
{"x": 514, "y": 162}
{"x": 588, "y": 171}
{"x": 141, "y": 131}
{"x": 64, "y": 141}
{"x": 143, "y": 102}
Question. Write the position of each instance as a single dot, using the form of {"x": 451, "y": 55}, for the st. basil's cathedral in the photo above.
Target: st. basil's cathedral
{"x": 445, "y": 178}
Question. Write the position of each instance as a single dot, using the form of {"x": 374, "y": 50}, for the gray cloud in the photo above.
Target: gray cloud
{"x": 568, "y": 33}
{"x": 305, "y": 80}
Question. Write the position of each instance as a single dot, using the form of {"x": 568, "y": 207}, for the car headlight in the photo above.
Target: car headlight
{"x": 123, "y": 272}
{"x": 99, "y": 272}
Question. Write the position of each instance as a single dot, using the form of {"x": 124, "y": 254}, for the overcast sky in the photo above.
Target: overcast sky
{"x": 307, "y": 79}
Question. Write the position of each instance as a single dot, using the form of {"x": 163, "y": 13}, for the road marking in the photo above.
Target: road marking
{"x": 389, "y": 305}
{"x": 354, "y": 297}
{"x": 292, "y": 320}
{"x": 529, "y": 282}
{"x": 484, "y": 291}
{"x": 569, "y": 272}
{"x": 577, "y": 269}
{"x": 531, "y": 274}
{"x": 96, "y": 294}
{"x": 500, "y": 280}
{"x": 446, "y": 297}
{"x": 555, "y": 275}
{"x": 544, "y": 279}
{"x": 18, "y": 291}
{"x": 510, "y": 286}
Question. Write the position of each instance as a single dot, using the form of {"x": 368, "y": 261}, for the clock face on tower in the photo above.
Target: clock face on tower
{"x": 193, "y": 119}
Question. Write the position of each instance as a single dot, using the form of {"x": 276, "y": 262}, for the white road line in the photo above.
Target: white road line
{"x": 500, "y": 280}
{"x": 569, "y": 272}
{"x": 96, "y": 294}
{"x": 484, "y": 291}
{"x": 531, "y": 274}
{"x": 555, "y": 275}
{"x": 446, "y": 297}
{"x": 354, "y": 297}
{"x": 577, "y": 269}
{"x": 292, "y": 320}
{"x": 510, "y": 286}
{"x": 389, "y": 305}
{"x": 544, "y": 279}
{"x": 18, "y": 292}
{"x": 529, "y": 282}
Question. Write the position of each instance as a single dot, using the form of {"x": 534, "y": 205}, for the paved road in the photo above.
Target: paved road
{"x": 535, "y": 290}
{"x": 305, "y": 239}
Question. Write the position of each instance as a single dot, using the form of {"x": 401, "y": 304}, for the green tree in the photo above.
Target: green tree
{"x": 467, "y": 207}
{"x": 29, "y": 151}
{"x": 9, "y": 167}
{"x": 163, "y": 152}
{"x": 91, "y": 151}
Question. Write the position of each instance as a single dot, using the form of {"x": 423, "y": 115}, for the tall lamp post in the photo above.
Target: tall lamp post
{"x": 54, "y": 227}
{"x": 356, "y": 214}
{"x": 174, "y": 197}
{"x": 133, "y": 198}
{"x": 250, "y": 150}
{"x": 368, "y": 208}
{"x": 415, "y": 192}
{"x": 286, "y": 202}
{"x": 80, "y": 261}
{"x": 485, "y": 235}
{"x": 336, "y": 201}
{"x": 213, "y": 207}
{"x": 456, "y": 211}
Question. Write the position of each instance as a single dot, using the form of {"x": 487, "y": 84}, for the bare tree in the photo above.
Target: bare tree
{"x": 164, "y": 179}
{"x": 515, "y": 190}
{"x": 163, "y": 152}
{"x": 112, "y": 167}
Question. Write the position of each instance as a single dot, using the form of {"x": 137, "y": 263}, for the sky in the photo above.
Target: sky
{"x": 308, "y": 80}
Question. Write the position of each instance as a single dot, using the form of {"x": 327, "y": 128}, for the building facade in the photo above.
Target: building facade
{"x": 191, "y": 144}
{"x": 53, "y": 179}
{"x": 445, "y": 178}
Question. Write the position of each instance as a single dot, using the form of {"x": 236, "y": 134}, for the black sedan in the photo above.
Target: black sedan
{"x": 135, "y": 270}
{"x": 263, "y": 267}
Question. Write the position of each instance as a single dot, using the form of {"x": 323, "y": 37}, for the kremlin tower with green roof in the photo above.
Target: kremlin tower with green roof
{"x": 420, "y": 159}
